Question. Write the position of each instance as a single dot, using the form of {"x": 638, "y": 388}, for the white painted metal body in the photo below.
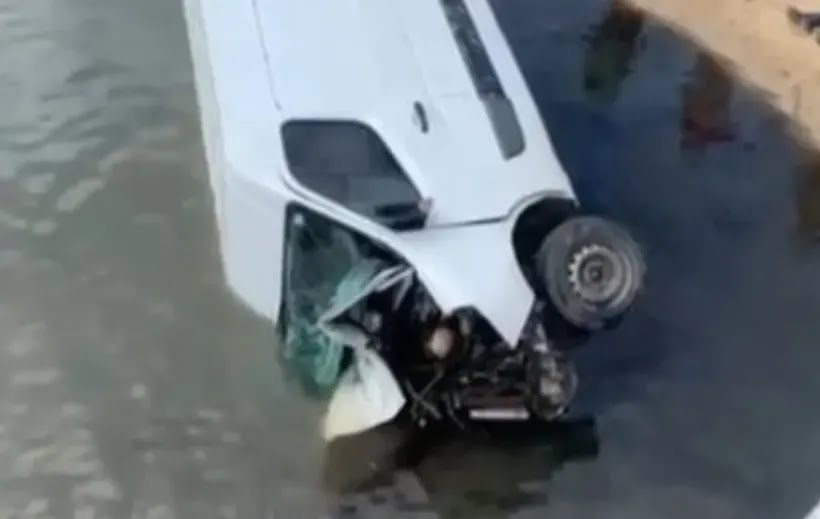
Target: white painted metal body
{"x": 260, "y": 63}
{"x": 815, "y": 512}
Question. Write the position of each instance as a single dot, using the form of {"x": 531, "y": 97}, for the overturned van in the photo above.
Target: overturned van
{"x": 385, "y": 191}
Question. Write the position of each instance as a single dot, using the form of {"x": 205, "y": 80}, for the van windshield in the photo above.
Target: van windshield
{"x": 349, "y": 164}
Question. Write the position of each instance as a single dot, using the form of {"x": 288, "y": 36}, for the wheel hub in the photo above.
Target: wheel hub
{"x": 596, "y": 274}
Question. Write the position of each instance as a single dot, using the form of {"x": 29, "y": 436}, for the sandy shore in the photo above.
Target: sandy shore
{"x": 755, "y": 38}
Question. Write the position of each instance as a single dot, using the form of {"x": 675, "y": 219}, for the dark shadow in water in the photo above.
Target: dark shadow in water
{"x": 455, "y": 472}
{"x": 611, "y": 48}
{"x": 706, "y": 104}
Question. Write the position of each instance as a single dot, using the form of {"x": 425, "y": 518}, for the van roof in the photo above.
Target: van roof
{"x": 386, "y": 63}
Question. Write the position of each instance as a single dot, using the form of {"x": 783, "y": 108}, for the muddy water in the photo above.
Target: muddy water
{"x": 130, "y": 382}
{"x": 132, "y": 385}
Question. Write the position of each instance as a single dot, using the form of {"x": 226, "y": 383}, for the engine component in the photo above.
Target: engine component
{"x": 441, "y": 343}
{"x": 553, "y": 382}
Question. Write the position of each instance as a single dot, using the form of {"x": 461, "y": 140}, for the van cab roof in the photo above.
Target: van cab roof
{"x": 435, "y": 79}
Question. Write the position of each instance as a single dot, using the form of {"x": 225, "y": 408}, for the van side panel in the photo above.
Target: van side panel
{"x": 237, "y": 111}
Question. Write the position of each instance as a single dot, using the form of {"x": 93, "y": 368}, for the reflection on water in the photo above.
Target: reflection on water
{"x": 706, "y": 104}
{"x": 611, "y": 48}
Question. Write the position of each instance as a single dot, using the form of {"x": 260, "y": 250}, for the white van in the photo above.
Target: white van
{"x": 386, "y": 192}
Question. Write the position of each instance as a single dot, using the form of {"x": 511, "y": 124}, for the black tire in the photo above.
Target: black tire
{"x": 592, "y": 270}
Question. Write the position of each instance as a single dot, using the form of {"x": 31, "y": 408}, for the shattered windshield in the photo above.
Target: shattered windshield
{"x": 325, "y": 269}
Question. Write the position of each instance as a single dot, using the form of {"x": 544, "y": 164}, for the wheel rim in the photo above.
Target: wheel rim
{"x": 592, "y": 270}
{"x": 597, "y": 274}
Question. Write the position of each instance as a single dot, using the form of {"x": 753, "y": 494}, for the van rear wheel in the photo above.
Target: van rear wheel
{"x": 592, "y": 270}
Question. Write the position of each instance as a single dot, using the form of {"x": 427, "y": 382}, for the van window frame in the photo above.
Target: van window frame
{"x": 386, "y": 213}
